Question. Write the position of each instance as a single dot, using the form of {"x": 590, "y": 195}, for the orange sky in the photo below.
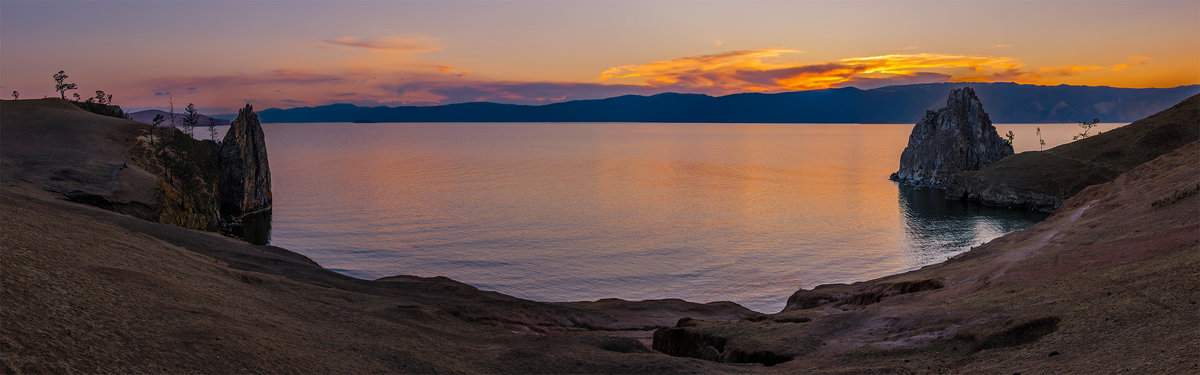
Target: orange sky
{"x": 287, "y": 54}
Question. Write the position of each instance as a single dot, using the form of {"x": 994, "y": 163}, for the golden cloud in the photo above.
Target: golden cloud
{"x": 1134, "y": 60}
{"x": 404, "y": 43}
{"x": 756, "y": 70}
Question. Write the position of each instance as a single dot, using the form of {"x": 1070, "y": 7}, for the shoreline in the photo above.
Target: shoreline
{"x": 90, "y": 286}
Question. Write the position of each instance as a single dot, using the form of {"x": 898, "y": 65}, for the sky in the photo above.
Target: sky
{"x": 220, "y": 54}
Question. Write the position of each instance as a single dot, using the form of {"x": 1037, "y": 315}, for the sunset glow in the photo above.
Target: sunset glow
{"x": 219, "y": 54}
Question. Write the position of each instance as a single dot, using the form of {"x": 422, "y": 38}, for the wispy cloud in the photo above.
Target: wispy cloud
{"x": 274, "y": 77}
{"x": 441, "y": 92}
{"x": 405, "y": 43}
{"x": 760, "y": 70}
{"x": 1134, "y": 60}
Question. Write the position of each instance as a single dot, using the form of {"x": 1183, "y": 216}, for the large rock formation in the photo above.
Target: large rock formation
{"x": 958, "y": 137}
{"x": 245, "y": 177}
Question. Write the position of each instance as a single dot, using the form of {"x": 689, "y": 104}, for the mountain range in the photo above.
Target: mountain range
{"x": 1005, "y": 102}
{"x": 147, "y": 116}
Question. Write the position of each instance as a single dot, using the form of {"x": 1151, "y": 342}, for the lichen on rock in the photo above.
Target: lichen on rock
{"x": 958, "y": 137}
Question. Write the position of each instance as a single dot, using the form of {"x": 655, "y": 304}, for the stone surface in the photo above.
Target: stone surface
{"x": 245, "y": 181}
{"x": 958, "y": 137}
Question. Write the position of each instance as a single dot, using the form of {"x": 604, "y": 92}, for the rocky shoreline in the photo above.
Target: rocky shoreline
{"x": 120, "y": 289}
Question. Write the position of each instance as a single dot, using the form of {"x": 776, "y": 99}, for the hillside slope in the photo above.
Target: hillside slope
{"x": 94, "y": 291}
{"x": 1107, "y": 284}
{"x": 1044, "y": 179}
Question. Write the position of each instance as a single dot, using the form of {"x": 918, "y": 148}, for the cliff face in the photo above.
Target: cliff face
{"x": 958, "y": 137}
{"x": 245, "y": 176}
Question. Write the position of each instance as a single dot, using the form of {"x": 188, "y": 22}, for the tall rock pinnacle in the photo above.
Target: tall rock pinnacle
{"x": 958, "y": 137}
{"x": 245, "y": 184}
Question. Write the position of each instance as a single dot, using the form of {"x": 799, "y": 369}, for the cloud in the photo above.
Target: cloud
{"x": 915, "y": 78}
{"x": 1002, "y": 45}
{"x": 1067, "y": 70}
{"x": 405, "y": 43}
{"x": 441, "y": 92}
{"x": 274, "y": 77}
{"x": 757, "y": 71}
{"x": 1134, "y": 60}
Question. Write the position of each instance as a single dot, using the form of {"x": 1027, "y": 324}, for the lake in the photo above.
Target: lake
{"x": 581, "y": 211}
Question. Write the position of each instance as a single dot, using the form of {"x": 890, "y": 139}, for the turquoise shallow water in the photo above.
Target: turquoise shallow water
{"x": 564, "y": 212}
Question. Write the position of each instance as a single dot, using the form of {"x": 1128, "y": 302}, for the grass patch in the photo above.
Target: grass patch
{"x": 1175, "y": 197}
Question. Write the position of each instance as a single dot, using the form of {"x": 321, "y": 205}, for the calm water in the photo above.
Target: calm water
{"x": 564, "y": 212}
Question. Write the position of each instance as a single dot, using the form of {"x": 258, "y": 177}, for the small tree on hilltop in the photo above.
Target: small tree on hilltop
{"x": 190, "y": 118}
{"x": 61, "y": 86}
{"x": 1087, "y": 127}
{"x": 1041, "y": 142}
{"x": 212, "y": 129}
{"x": 1010, "y": 137}
{"x": 158, "y": 120}
{"x": 77, "y": 97}
{"x": 100, "y": 96}
{"x": 16, "y": 95}
{"x": 171, "y": 109}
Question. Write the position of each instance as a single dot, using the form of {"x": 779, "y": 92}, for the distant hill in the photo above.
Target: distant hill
{"x": 147, "y": 116}
{"x": 1005, "y": 102}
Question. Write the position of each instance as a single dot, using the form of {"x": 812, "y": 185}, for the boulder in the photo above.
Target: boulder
{"x": 958, "y": 137}
{"x": 244, "y": 186}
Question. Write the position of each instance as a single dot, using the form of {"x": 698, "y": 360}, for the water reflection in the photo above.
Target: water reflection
{"x": 256, "y": 228}
{"x": 937, "y": 228}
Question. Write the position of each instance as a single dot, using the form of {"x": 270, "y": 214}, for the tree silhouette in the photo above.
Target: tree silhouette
{"x": 158, "y": 120}
{"x": 1042, "y": 142}
{"x": 77, "y": 97}
{"x": 171, "y": 107}
{"x": 100, "y": 96}
{"x": 1010, "y": 137}
{"x": 190, "y": 118}
{"x": 16, "y": 95}
{"x": 212, "y": 129}
{"x": 1087, "y": 127}
{"x": 61, "y": 86}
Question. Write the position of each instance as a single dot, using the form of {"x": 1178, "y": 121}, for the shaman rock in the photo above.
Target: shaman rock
{"x": 245, "y": 181}
{"x": 958, "y": 137}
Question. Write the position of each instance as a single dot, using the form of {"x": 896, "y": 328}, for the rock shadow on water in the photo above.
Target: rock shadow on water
{"x": 254, "y": 228}
{"x": 937, "y": 228}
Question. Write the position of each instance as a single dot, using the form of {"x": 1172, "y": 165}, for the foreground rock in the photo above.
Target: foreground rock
{"x": 1042, "y": 180}
{"x": 245, "y": 175}
{"x": 958, "y": 137}
{"x": 1075, "y": 293}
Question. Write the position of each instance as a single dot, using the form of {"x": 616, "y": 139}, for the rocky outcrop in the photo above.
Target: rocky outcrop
{"x": 245, "y": 176}
{"x": 958, "y": 137}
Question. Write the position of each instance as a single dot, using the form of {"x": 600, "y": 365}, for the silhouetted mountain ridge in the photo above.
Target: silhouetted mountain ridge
{"x": 1005, "y": 102}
